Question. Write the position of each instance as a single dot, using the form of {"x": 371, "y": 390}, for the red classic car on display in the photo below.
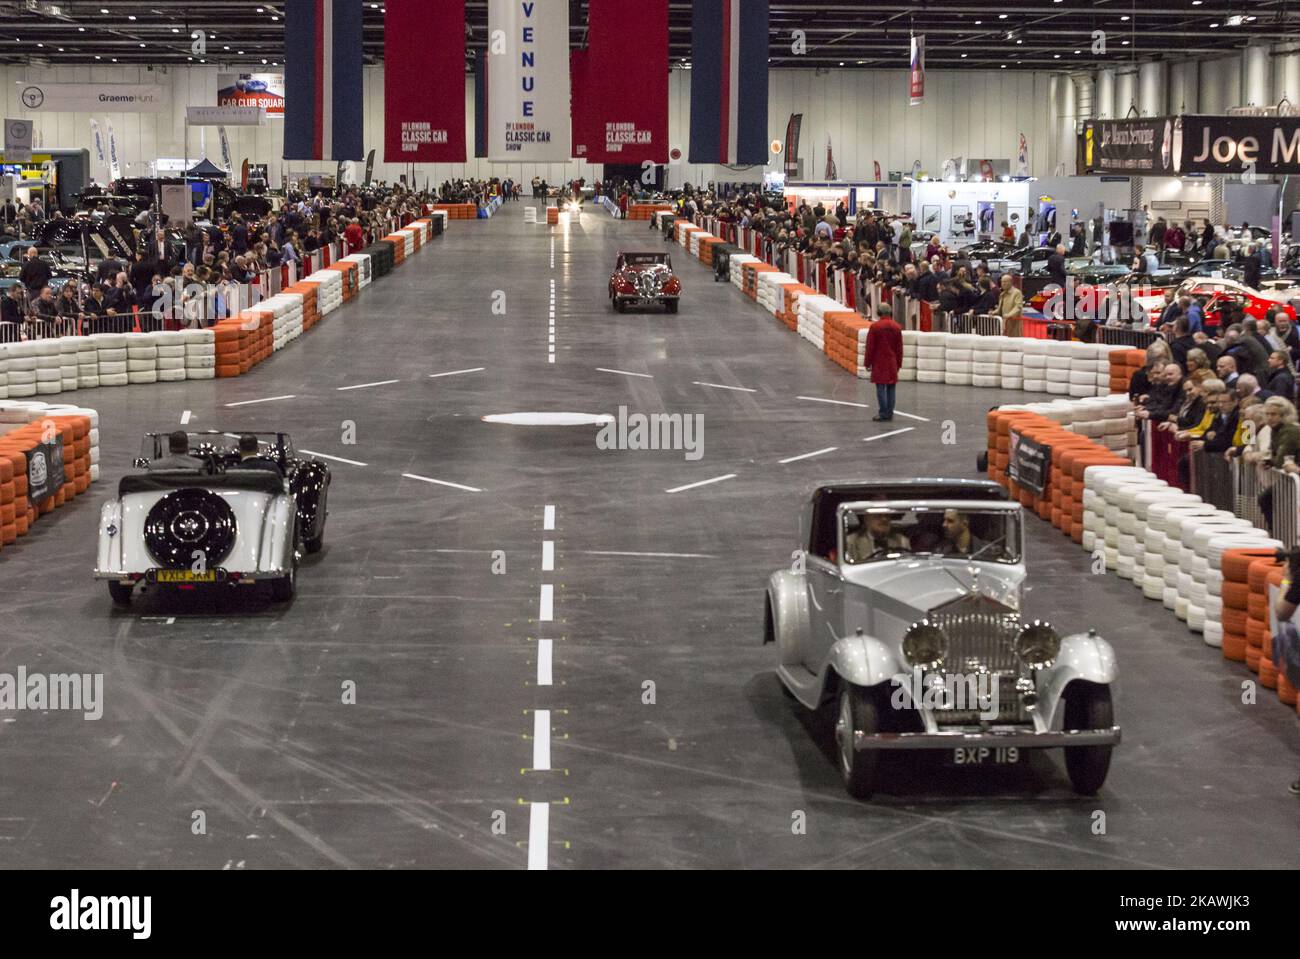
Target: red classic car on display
{"x": 644, "y": 279}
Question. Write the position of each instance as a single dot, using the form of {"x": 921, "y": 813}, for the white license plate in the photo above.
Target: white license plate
{"x": 985, "y": 756}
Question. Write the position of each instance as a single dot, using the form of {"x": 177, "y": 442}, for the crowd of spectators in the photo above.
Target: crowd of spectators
{"x": 220, "y": 257}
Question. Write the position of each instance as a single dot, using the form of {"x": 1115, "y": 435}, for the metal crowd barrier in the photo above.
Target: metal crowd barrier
{"x": 1236, "y": 486}
{"x": 1138, "y": 339}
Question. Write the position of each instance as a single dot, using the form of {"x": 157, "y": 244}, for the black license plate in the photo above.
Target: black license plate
{"x": 986, "y": 755}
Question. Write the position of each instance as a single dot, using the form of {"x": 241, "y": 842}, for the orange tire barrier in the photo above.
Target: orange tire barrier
{"x": 552, "y": 215}
{"x": 73, "y": 434}
{"x": 846, "y": 339}
{"x": 644, "y": 211}
{"x": 457, "y": 211}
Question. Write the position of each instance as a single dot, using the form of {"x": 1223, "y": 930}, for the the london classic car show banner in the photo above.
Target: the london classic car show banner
{"x": 424, "y": 81}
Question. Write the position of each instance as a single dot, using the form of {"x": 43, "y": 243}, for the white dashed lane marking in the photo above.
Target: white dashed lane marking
{"x": 911, "y": 416}
{"x": 839, "y": 403}
{"x": 269, "y": 399}
{"x": 477, "y": 369}
{"x": 805, "y": 456}
{"x": 336, "y": 459}
{"x": 545, "y": 603}
{"x": 881, "y": 436}
{"x": 542, "y": 739}
{"x": 601, "y": 369}
{"x": 716, "y": 479}
{"x": 428, "y": 479}
{"x": 722, "y": 386}
{"x": 544, "y": 651}
{"x": 548, "y": 555}
{"x": 539, "y": 821}
{"x": 548, "y": 517}
{"x": 185, "y": 417}
{"x": 363, "y": 386}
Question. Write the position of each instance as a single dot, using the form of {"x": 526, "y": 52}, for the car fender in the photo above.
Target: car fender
{"x": 310, "y": 488}
{"x": 1083, "y": 656}
{"x": 864, "y": 661}
{"x": 786, "y": 620}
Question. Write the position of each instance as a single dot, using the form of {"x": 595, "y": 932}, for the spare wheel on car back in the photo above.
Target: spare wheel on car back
{"x": 189, "y": 520}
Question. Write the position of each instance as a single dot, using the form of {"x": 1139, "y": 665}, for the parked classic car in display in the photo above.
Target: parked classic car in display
{"x": 222, "y": 521}
{"x": 644, "y": 279}
{"x": 901, "y": 615}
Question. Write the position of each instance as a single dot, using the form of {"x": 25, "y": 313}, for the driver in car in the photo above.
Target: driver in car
{"x": 958, "y": 540}
{"x": 178, "y": 455}
{"x": 874, "y": 532}
{"x": 251, "y": 458}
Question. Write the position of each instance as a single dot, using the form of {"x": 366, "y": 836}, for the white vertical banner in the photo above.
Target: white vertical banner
{"x": 114, "y": 158}
{"x": 528, "y": 81}
{"x": 1022, "y": 157}
{"x": 97, "y": 139}
{"x": 225, "y": 149}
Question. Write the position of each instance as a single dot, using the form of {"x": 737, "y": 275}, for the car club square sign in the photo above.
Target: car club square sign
{"x": 1028, "y": 462}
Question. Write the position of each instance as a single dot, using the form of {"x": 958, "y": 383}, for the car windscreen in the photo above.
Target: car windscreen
{"x": 877, "y": 534}
{"x": 644, "y": 259}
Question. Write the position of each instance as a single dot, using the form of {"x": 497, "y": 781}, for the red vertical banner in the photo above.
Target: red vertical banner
{"x": 625, "y": 99}
{"x": 424, "y": 81}
{"x": 579, "y": 103}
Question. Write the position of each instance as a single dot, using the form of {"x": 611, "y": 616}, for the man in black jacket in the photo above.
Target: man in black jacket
{"x": 1182, "y": 342}
{"x": 35, "y": 274}
{"x": 927, "y": 284}
{"x": 1281, "y": 380}
{"x": 13, "y": 307}
{"x": 1056, "y": 266}
{"x": 1251, "y": 357}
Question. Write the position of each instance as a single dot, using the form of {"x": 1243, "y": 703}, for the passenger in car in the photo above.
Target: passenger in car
{"x": 958, "y": 540}
{"x": 178, "y": 455}
{"x": 250, "y": 457}
{"x": 875, "y": 531}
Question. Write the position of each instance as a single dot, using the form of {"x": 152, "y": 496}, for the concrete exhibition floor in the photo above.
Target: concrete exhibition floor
{"x": 230, "y": 705}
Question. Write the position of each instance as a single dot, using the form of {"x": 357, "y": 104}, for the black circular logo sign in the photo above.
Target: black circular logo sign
{"x": 33, "y": 97}
{"x": 18, "y": 130}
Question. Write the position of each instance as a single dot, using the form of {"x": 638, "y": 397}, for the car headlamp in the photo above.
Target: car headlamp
{"x": 1038, "y": 644}
{"x": 925, "y": 646}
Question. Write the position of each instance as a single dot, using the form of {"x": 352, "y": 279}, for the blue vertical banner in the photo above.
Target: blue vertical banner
{"x": 481, "y": 103}
{"x": 322, "y": 80}
{"x": 729, "y": 49}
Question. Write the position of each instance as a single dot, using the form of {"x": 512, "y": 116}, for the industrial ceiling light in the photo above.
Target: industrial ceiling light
{"x": 1234, "y": 20}
{"x": 1124, "y": 18}
{"x": 130, "y": 16}
{"x": 1002, "y": 16}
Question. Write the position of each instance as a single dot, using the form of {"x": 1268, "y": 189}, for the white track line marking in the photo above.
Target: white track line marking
{"x": 477, "y": 369}
{"x": 268, "y": 399}
{"x": 336, "y": 459}
{"x": 805, "y": 456}
{"x": 185, "y": 417}
{"x": 548, "y": 517}
{"x": 721, "y": 386}
{"x": 716, "y": 479}
{"x": 545, "y": 648}
{"x": 601, "y": 369}
{"x": 818, "y": 399}
{"x": 427, "y": 479}
{"x": 881, "y": 436}
{"x": 542, "y": 739}
{"x": 539, "y": 821}
{"x": 548, "y": 555}
{"x": 546, "y": 603}
{"x": 614, "y": 552}
{"x": 362, "y": 386}
{"x": 911, "y": 416}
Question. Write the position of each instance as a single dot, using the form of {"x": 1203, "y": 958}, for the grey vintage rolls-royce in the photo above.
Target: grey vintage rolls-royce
{"x": 901, "y": 613}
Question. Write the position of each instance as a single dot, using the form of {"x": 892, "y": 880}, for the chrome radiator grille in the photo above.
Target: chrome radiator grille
{"x": 981, "y": 635}
{"x": 1010, "y": 707}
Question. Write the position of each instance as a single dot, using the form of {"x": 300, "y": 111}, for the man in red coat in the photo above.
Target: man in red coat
{"x": 883, "y": 359}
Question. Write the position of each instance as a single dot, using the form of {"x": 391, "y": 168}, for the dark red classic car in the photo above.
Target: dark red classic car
{"x": 644, "y": 279}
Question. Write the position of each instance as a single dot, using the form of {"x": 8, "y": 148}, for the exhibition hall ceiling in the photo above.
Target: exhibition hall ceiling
{"x": 874, "y": 34}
